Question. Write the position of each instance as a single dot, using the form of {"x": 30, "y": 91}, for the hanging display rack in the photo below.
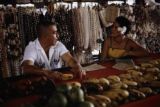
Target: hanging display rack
{"x": 6, "y": 2}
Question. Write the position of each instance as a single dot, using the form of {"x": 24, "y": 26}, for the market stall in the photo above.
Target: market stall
{"x": 109, "y": 73}
{"x": 124, "y": 82}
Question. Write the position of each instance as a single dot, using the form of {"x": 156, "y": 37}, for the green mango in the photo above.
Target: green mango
{"x": 63, "y": 88}
{"x": 76, "y": 95}
{"x": 86, "y": 104}
{"x": 57, "y": 100}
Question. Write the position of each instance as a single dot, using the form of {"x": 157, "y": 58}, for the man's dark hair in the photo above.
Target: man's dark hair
{"x": 123, "y": 21}
{"x": 45, "y": 23}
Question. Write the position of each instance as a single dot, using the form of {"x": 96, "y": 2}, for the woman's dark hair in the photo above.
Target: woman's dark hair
{"x": 123, "y": 21}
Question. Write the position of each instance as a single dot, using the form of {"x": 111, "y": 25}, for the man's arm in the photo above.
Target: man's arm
{"x": 29, "y": 68}
{"x": 76, "y": 67}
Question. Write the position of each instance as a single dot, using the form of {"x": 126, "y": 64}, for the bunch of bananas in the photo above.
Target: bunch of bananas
{"x": 98, "y": 100}
{"x": 138, "y": 82}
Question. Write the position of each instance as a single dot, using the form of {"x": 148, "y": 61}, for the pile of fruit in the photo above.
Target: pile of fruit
{"x": 65, "y": 95}
{"x": 137, "y": 83}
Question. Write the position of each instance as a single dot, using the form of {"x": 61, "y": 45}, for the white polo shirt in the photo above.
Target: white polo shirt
{"x": 37, "y": 55}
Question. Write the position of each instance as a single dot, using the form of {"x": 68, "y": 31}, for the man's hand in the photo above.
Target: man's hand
{"x": 55, "y": 75}
{"x": 78, "y": 72}
{"x": 76, "y": 67}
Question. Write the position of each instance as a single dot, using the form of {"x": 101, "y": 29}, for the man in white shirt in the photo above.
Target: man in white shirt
{"x": 46, "y": 53}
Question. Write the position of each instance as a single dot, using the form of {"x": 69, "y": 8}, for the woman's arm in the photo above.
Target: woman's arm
{"x": 105, "y": 49}
{"x": 135, "y": 49}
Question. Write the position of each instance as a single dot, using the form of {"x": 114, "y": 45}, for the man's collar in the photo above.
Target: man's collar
{"x": 38, "y": 45}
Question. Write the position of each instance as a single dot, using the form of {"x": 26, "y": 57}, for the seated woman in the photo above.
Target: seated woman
{"x": 117, "y": 45}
